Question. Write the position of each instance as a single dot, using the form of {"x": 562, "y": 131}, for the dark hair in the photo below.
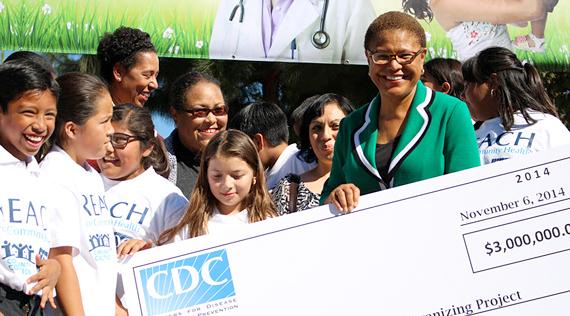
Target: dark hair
{"x": 184, "y": 83}
{"x": 419, "y": 8}
{"x": 296, "y": 116}
{"x": 77, "y": 102}
{"x": 258, "y": 202}
{"x": 447, "y": 70}
{"x": 139, "y": 122}
{"x": 33, "y": 57}
{"x": 264, "y": 118}
{"x": 315, "y": 110}
{"x": 20, "y": 76}
{"x": 394, "y": 20}
{"x": 122, "y": 46}
{"x": 520, "y": 87}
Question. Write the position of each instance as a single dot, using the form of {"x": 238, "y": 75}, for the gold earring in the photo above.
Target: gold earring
{"x": 423, "y": 71}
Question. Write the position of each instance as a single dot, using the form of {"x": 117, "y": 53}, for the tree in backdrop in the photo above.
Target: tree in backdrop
{"x": 286, "y": 84}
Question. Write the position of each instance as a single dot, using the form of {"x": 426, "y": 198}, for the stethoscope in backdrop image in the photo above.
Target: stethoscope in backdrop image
{"x": 320, "y": 38}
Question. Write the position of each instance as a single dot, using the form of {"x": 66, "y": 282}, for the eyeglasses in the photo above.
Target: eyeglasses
{"x": 120, "y": 140}
{"x": 220, "y": 110}
{"x": 402, "y": 59}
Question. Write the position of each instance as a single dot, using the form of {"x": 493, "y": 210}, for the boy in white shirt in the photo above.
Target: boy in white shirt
{"x": 28, "y": 96}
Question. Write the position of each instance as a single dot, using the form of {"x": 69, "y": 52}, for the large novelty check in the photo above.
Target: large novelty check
{"x": 492, "y": 240}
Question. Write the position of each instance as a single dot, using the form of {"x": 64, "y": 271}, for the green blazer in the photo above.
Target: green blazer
{"x": 438, "y": 138}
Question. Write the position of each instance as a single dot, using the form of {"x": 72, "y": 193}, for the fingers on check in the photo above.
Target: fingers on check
{"x": 351, "y": 195}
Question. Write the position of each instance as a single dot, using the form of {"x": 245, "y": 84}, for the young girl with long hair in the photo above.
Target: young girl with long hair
{"x": 82, "y": 130}
{"x": 28, "y": 96}
{"x": 509, "y": 98}
{"x": 230, "y": 190}
{"x": 143, "y": 203}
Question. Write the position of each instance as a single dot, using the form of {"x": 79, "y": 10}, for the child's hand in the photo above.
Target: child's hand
{"x": 47, "y": 278}
{"x": 131, "y": 246}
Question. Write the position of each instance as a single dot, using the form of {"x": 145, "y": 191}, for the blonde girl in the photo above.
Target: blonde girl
{"x": 230, "y": 190}
{"x": 82, "y": 131}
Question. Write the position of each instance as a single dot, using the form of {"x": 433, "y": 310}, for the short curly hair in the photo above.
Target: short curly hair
{"x": 122, "y": 46}
{"x": 394, "y": 20}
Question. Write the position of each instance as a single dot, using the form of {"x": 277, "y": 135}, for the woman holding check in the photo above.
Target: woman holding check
{"x": 408, "y": 132}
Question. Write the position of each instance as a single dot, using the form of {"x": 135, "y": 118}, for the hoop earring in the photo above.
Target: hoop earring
{"x": 423, "y": 71}
{"x": 494, "y": 94}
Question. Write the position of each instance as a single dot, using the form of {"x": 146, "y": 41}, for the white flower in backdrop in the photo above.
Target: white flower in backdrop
{"x": 46, "y": 8}
{"x": 168, "y": 33}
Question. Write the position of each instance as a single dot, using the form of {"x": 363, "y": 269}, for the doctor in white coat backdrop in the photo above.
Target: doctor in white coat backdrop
{"x": 319, "y": 31}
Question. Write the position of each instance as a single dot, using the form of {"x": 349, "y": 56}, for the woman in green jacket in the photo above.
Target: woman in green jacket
{"x": 408, "y": 132}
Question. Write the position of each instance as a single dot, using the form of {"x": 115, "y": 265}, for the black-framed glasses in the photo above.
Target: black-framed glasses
{"x": 219, "y": 110}
{"x": 402, "y": 59}
{"x": 120, "y": 140}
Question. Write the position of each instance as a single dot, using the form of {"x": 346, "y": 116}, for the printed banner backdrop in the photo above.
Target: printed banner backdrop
{"x": 202, "y": 28}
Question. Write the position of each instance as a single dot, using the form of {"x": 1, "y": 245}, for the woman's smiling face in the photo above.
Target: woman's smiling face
{"x": 123, "y": 163}
{"x": 196, "y": 132}
{"x": 394, "y": 79}
{"x": 136, "y": 85}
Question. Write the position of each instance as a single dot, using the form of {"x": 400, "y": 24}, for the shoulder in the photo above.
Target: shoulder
{"x": 444, "y": 102}
{"x": 57, "y": 165}
{"x": 285, "y": 182}
{"x": 356, "y": 118}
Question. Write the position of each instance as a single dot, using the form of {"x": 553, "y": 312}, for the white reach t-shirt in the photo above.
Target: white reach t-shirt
{"x": 218, "y": 223}
{"x": 288, "y": 162}
{"x": 80, "y": 207}
{"x": 143, "y": 207}
{"x": 496, "y": 144}
{"x": 25, "y": 227}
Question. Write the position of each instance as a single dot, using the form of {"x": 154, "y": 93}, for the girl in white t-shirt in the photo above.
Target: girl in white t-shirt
{"x": 509, "y": 98}
{"x": 28, "y": 96}
{"x": 230, "y": 190}
{"x": 142, "y": 202}
{"x": 83, "y": 129}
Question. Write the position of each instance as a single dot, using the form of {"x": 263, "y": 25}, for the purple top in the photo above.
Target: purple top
{"x": 271, "y": 20}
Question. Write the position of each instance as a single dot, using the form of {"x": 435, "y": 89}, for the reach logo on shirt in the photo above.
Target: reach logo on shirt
{"x": 23, "y": 235}
{"x": 189, "y": 285}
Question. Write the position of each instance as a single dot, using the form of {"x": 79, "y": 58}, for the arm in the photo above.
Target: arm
{"x": 343, "y": 195}
{"x": 47, "y": 278}
{"x": 362, "y": 13}
{"x": 119, "y": 309}
{"x": 460, "y": 150}
{"x": 131, "y": 246}
{"x": 336, "y": 177}
{"x": 68, "y": 292}
{"x": 449, "y": 13}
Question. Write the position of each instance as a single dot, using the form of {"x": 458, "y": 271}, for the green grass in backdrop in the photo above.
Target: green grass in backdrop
{"x": 178, "y": 29}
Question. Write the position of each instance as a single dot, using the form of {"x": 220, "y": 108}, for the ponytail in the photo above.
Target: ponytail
{"x": 158, "y": 158}
{"x": 536, "y": 87}
{"x": 418, "y": 8}
{"x": 520, "y": 86}
{"x": 139, "y": 121}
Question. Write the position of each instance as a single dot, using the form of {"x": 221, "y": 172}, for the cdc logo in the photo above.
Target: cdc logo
{"x": 187, "y": 282}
